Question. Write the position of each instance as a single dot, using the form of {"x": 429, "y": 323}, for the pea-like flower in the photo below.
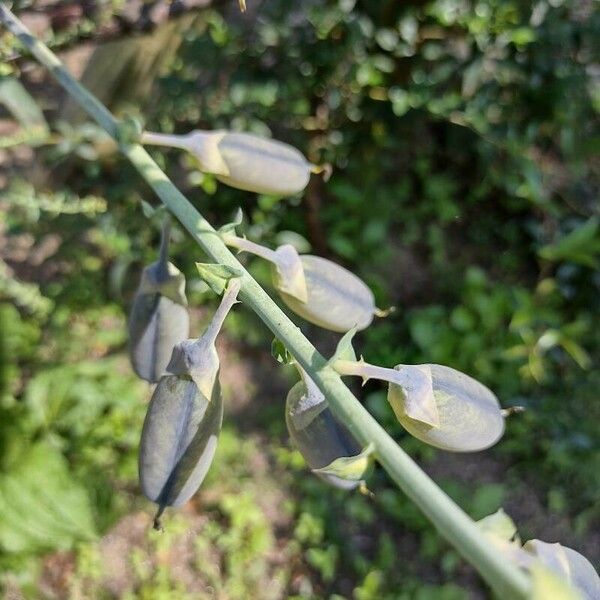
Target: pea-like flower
{"x": 469, "y": 414}
{"x": 567, "y": 564}
{"x": 327, "y": 446}
{"x": 317, "y": 289}
{"x": 243, "y": 160}
{"x": 182, "y": 425}
{"x": 159, "y": 318}
{"x": 438, "y": 405}
{"x": 548, "y": 564}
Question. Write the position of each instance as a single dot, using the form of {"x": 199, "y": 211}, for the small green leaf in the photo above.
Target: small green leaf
{"x": 581, "y": 246}
{"x": 22, "y": 106}
{"x": 500, "y": 525}
{"x": 350, "y": 468}
{"x": 217, "y": 275}
{"x": 148, "y": 209}
{"x": 157, "y": 214}
{"x": 280, "y": 353}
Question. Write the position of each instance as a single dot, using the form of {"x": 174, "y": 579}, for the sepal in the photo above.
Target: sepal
{"x": 415, "y": 397}
{"x": 217, "y": 276}
{"x": 350, "y": 468}
{"x": 344, "y": 349}
{"x": 290, "y": 272}
{"x": 230, "y": 228}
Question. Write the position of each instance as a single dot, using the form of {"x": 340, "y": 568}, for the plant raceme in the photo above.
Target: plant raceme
{"x": 437, "y": 404}
{"x": 242, "y": 160}
{"x": 548, "y": 564}
{"x": 182, "y": 425}
{"x": 159, "y": 318}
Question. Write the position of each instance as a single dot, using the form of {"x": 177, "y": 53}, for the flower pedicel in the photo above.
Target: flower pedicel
{"x": 327, "y": 446}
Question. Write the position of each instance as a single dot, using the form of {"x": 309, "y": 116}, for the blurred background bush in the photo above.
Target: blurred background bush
{"x": 464, "y": 144}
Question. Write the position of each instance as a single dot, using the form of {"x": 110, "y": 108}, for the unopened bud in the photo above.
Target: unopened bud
{"x": 242, "y": 160}
{"x": 317, "y": 289}
{"x": 567, "y": 564}
{"x": 470, "y": 418}
{"x": 320, "y": 437}
{"x": 159, "y": 317}
{"x": 184, "y": 417}
{"x": 438, "y": 405}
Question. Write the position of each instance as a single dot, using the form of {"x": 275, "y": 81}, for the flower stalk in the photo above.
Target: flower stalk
{"x": 451, "y": 522}
{"x": 245, "y": 245}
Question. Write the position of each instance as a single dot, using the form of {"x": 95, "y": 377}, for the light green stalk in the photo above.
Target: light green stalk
{"x": 451, "y": 522}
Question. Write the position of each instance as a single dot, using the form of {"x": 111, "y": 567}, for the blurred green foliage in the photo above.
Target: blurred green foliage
{"x": 464, "y": 191}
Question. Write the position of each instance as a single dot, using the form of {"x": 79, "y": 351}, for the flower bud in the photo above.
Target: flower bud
{"x": 317, "y": 434}
{"x": 569, "y": 565}
{"x": 551, "y": 566}
{"x": 159, "y": 317}
{"x": 469, "y": 414}
{"x": 244, "y": 161}
{"x": 184, "y": 417}
{"x": 438, "y": 405}
{"x": 315, "y": 288}
{"x": 336, "y": 298}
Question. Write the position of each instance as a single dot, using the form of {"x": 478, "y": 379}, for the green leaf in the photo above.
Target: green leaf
{"x": 148, "y": 209}
{"x": 350, "y": 468}
{"x": 280, "y": 353}
{"x": 41, "y": 506}
{"x": 22, "y": 106}
{"x": 216, "y": 275}
{"x": 577, "y": 353}
{"x": 581, "y": 246}
{"x": 154, "y": 213}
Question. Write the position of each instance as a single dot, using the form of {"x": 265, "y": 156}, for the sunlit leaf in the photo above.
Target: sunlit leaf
{"x": 41, "y": 506}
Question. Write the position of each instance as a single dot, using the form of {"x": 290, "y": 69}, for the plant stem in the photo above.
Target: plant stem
{"x": 163, "y": 252}
{"x": 245, "y": 245}
{"x": 368, "y": 371}
{"x": 452, "y": 523}
{"x": 164, "y": 139}
{"x": 228, "y": 299}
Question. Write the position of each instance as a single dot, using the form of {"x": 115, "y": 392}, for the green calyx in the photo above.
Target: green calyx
{"x": 217, "y": 276}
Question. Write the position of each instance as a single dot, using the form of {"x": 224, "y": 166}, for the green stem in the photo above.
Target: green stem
{"x": 448, "y": 518}
{"x": 164, "y": 139}
{"x": 244, "y": 245}
{"x": 367, "y": 371}
{"x": 163, "y": 252}
{"x": 228, "y": 299}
